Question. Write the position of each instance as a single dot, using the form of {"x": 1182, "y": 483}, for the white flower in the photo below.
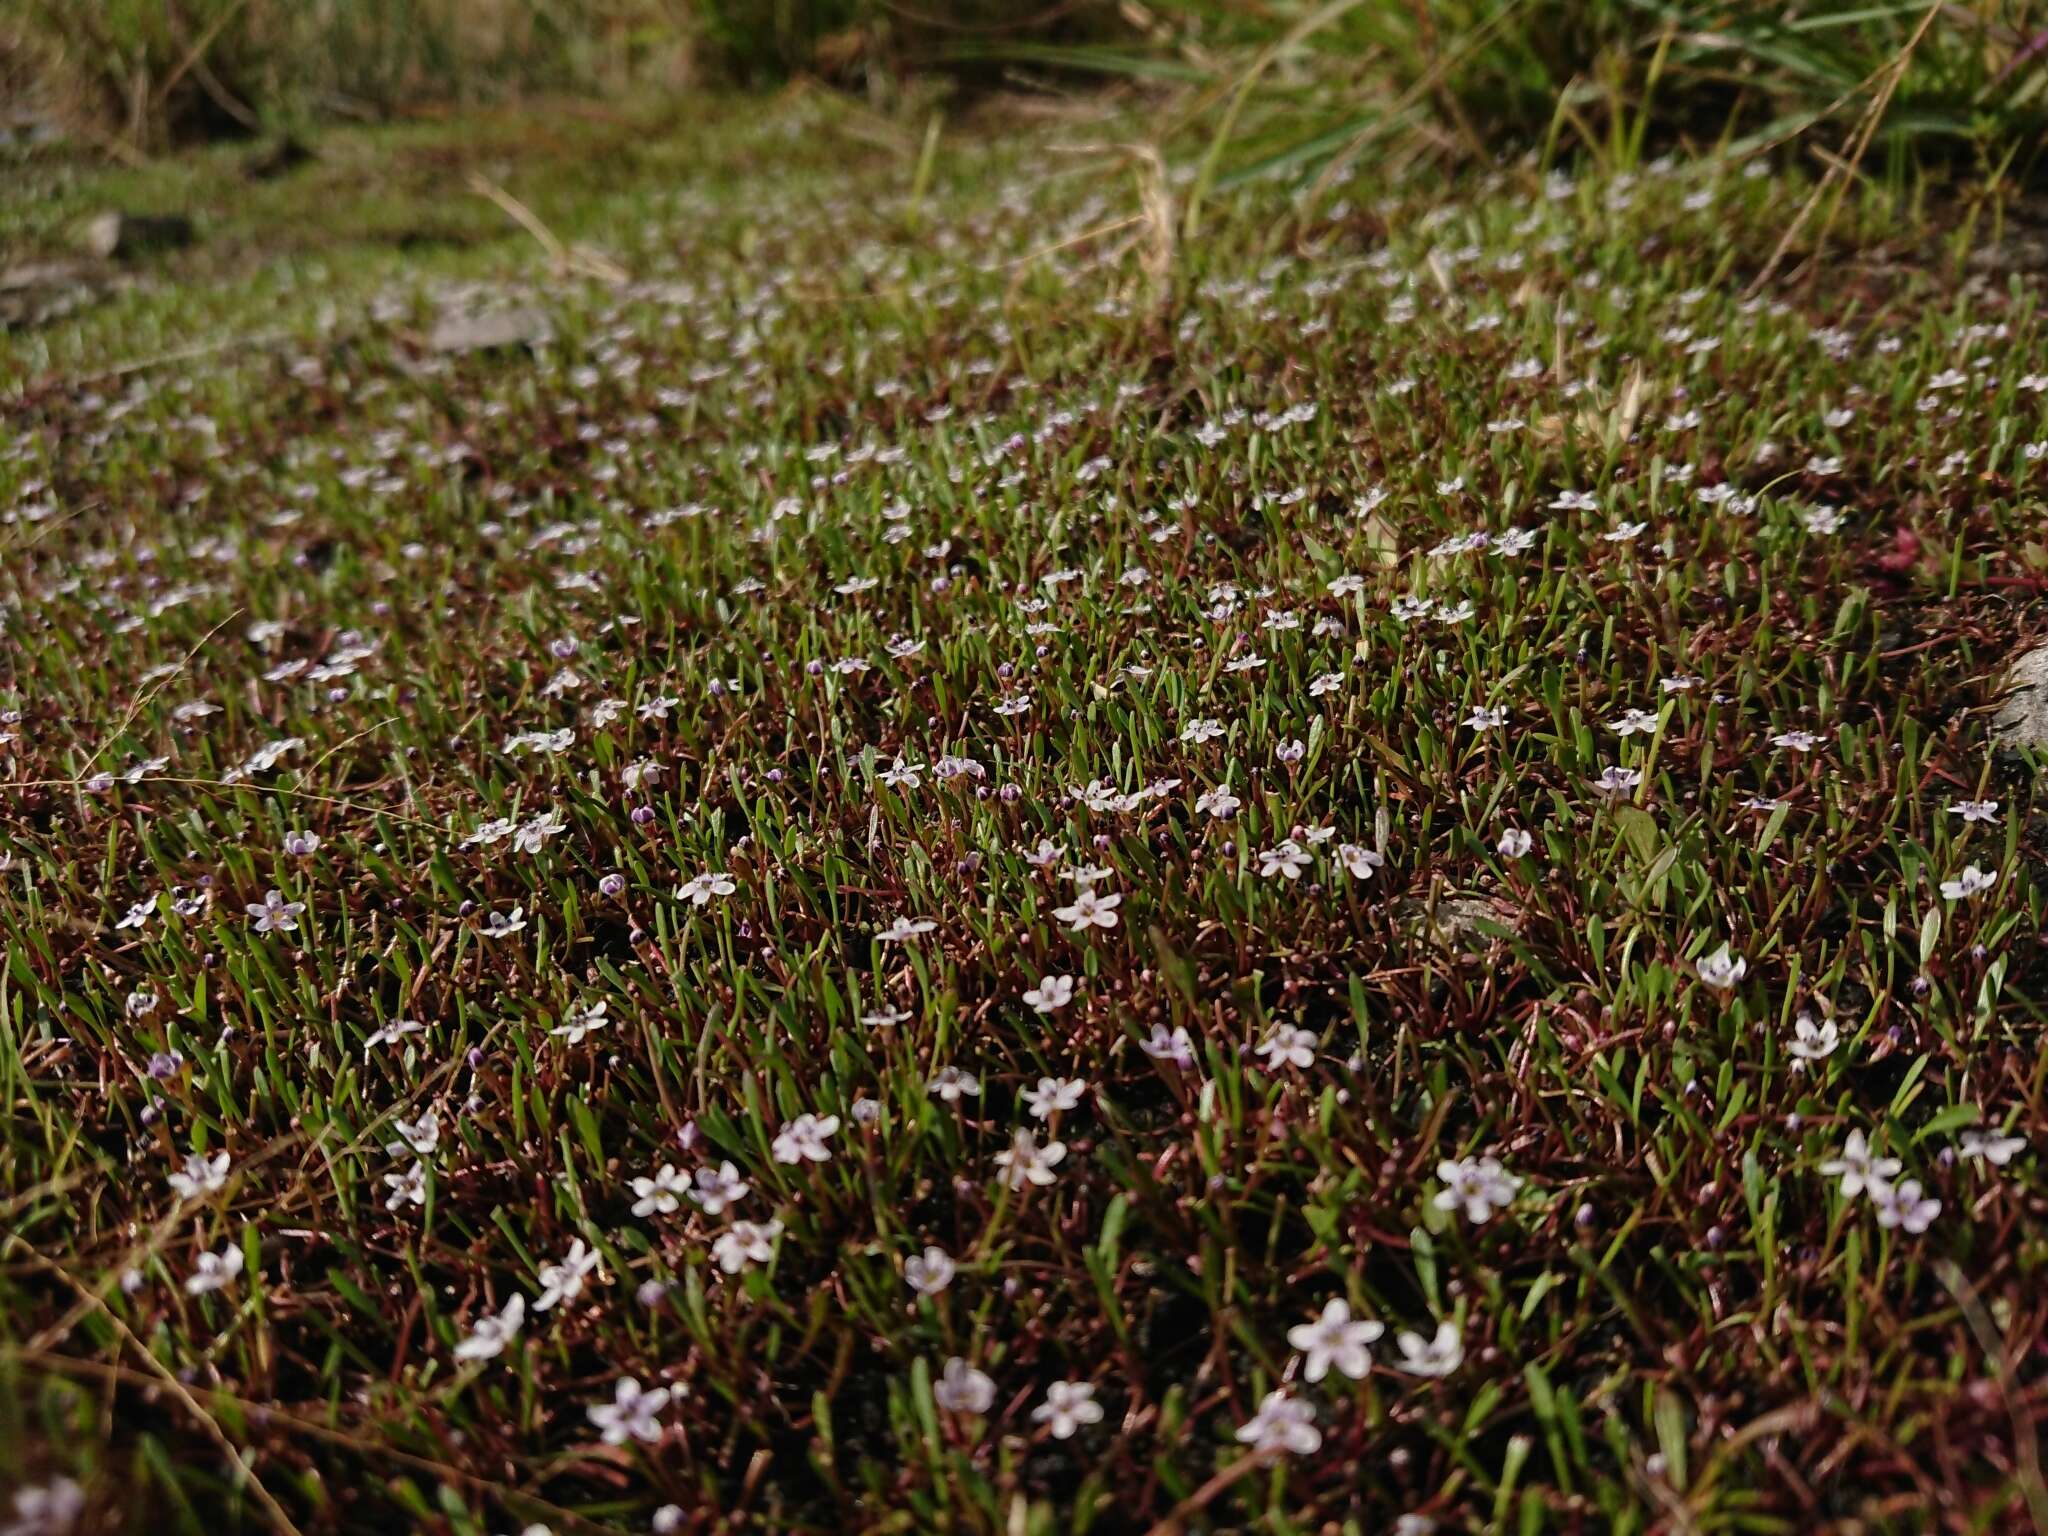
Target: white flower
{"x": 1051, "y": 993}
{"x": 1359, "y": 862}
{"x": 962, "y": 1389}
{"x": 930, "y": 1272}
{"x": 46, "y": 1509}
{"x": 699, "y": 889}
{"x": 1484, "y": 718}
{"x": 804, "y": 1137}
{"x": 1901, "y": 1205}
{"x": 564, "y": 1281}
{"x": 1195, "y": 732}
{"x": 1283, "y": 1425}
{"x": 391, "y": 1034}
{"x": 1515, "y": 843}
{"x": 718, "y": 1188}
{"x": 407, "y": 1188}
{"x": 1437, "y": 1356}
{"x": 631, "y": 1413}
{"x": 662, "y": 1194}
{"x": 140, "y": 912}
{"x": 500, "y": 925}
{"x": 487, "y": 1340}
{"x": 1975, "y": 810}
{"x": 1089, "y": 911}
{"x": 1289, "y": 860}
{"x": 1067, "y": 1406}
{"x": 1857, "y": 1169}
{"x": 1026, "y": 1162}
{"x": 1615, "y": 780}
{"x": 1170, "y": 1045}
{"x": 903, "y": 775}
{"x": 274, "y": 914}
{"x": 418, "y": 1137}
{"x": 534, "y": 835}
{"x": 950, "y": 1083}
{"x": 1287, "y": 1046}
{"x": 904, "y": 929}
{"x": 1335, "y": 1339}
{"x": 202, "y": 1175}
{"x": 1722, "y": 970}
{"x": 1995, "y": 1150}
{"x": 1633, "y": 722}
{"x": 744, "y": 1243}
{"x": 215, "y": 1271}
{"x": 1054, "y": 1094}
{"x": 1219, "y": 804}
{"x": 1968, "y": 883}
{"x": 578, "y": 1023}
{"x": 1814, "y": 1041}
{"x": 1478, "y": 1185}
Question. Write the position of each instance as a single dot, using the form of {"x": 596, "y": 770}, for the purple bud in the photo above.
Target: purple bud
{"x": 613, "y": 885}
{"x": 814, "y": 668}
{"x": 774, "y": 775}
{"x": 642, "y": 814}
{"x": 1586, "y": 1218}
{"x": 475, "y": 1057}
{"x": 1010, "y": 794}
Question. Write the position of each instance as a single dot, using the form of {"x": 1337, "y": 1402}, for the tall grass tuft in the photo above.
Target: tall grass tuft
{"x": 1298, "y": 85}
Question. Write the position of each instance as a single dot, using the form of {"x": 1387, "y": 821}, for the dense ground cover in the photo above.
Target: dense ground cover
{"x": 962, "y": 865}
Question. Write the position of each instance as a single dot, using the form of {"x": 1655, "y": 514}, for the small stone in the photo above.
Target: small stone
{"x": 1454, "y": 921}
{"x": 490, "y": 331}
{"x": 2022, "y": 719}
{"x": 117, "y": 236}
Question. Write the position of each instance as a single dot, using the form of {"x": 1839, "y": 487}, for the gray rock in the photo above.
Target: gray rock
{"x": 117, "y": 236}
{"x": 1454, "y": 921}
{"x": 39, "y": 292}
{"x": 2022, "y": 719}
{"x": 491, "y": 330}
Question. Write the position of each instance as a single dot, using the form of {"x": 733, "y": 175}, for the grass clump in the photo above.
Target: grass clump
{"x": 959, "y": 865}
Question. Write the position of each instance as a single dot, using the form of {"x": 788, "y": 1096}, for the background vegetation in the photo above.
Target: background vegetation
{"x": 1290, "y": 85}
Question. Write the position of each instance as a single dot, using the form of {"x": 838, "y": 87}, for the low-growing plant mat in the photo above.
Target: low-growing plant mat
{"x": 910, "y": 851}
